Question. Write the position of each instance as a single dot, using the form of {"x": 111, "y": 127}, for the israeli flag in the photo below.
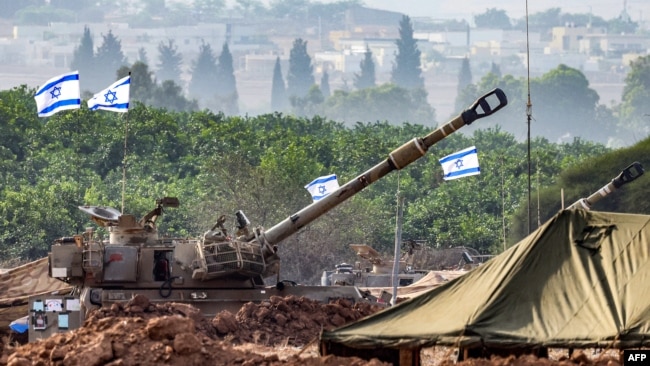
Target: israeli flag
{"x": 460, "y": 164}
{"x": 322, "y": 186}
{"x": 59, "y": 93}
{"x": 115, "y": 98}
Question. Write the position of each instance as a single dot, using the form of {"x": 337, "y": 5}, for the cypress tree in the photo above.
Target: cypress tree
{"x": 366, "y": 79}
{"x": 464, "y": 76}
{"x": 109, "y": 59}
{"x": 204, "y": 71}
{"x": 325, "y": 85}
{"x": 495, "y": 69}
{"x": 465, "y": 89}
{"x": 279, "y": 99}
{"x": 226, "y": 87}
{"x": 83, "y": 60}
{"x": 142, "y": 56}
{"x": 169, "y": 67}
{"x": 300, "y": 77}
{"x": 406, "y": 69}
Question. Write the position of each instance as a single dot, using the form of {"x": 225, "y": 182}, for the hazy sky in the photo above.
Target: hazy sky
{"x": 466, "y": 9}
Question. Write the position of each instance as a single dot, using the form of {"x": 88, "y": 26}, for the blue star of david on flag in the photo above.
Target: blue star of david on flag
{"x": 322, "y": 186}
{"x": 110, "y": 96}
{"x": 460, "y": 164}
{"x": 55, "y": 93}
{"x": 115, "y": 98}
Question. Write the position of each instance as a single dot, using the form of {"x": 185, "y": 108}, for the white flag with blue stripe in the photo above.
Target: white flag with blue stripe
{"x": 460, "y": 164}
{"x": 57, "y": 94}
{"x": 115, "y": 98}
{"x": 322, "y": 186}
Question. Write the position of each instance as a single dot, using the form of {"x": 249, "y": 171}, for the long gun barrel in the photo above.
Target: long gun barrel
{"x": 632, "y": 172}
{"x": 398, "y": 159}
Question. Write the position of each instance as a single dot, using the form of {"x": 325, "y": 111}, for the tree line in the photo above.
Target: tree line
{"x": 554, "y": 17}
{"x": 213, "y": 83}
{"x": 217, "y": 164}
{"x": 564, "y": 106}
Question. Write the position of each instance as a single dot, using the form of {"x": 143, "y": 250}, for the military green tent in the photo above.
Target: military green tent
{"x": 580, "y": 280}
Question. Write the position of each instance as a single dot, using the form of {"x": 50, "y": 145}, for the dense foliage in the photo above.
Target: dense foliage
{"x": 386, "y": 102}
{"x": 216, "y": 165}
{"x": 564, "y": 107}
{"x": 635, "y": 109}
{"x": 493, "y": 18}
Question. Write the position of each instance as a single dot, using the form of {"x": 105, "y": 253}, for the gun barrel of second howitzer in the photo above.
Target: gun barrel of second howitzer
{"x": 398, "y": 159}
{"x": 632, "y": 172}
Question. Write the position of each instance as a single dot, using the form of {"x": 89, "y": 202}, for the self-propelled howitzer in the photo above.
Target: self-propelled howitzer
{"x": 221, "y": 270}
{"x": 627, "y": 175}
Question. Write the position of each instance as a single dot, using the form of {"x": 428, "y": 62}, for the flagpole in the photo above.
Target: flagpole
{"x": 126, "y": 130}
{"x": 539, "y": 220}
{"x": 116, "y": 98}
{"x": 503, "y": 204}
{"x": 398, "y": 241}
{"x": 529, "y": 115}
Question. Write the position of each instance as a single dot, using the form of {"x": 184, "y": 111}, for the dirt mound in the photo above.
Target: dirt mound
{"x": 144, "y": 333}
{"x": 577, "y": 358}
{"x": 291, "y": 320}
{"x": 280, "y": 331}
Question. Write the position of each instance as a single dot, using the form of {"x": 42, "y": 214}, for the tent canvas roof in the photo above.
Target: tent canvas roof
{"x": 580, "y": 280}
{"x": 430, "y": 280}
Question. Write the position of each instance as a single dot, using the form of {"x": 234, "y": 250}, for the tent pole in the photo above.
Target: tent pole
{"x": 398, "y": 244}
